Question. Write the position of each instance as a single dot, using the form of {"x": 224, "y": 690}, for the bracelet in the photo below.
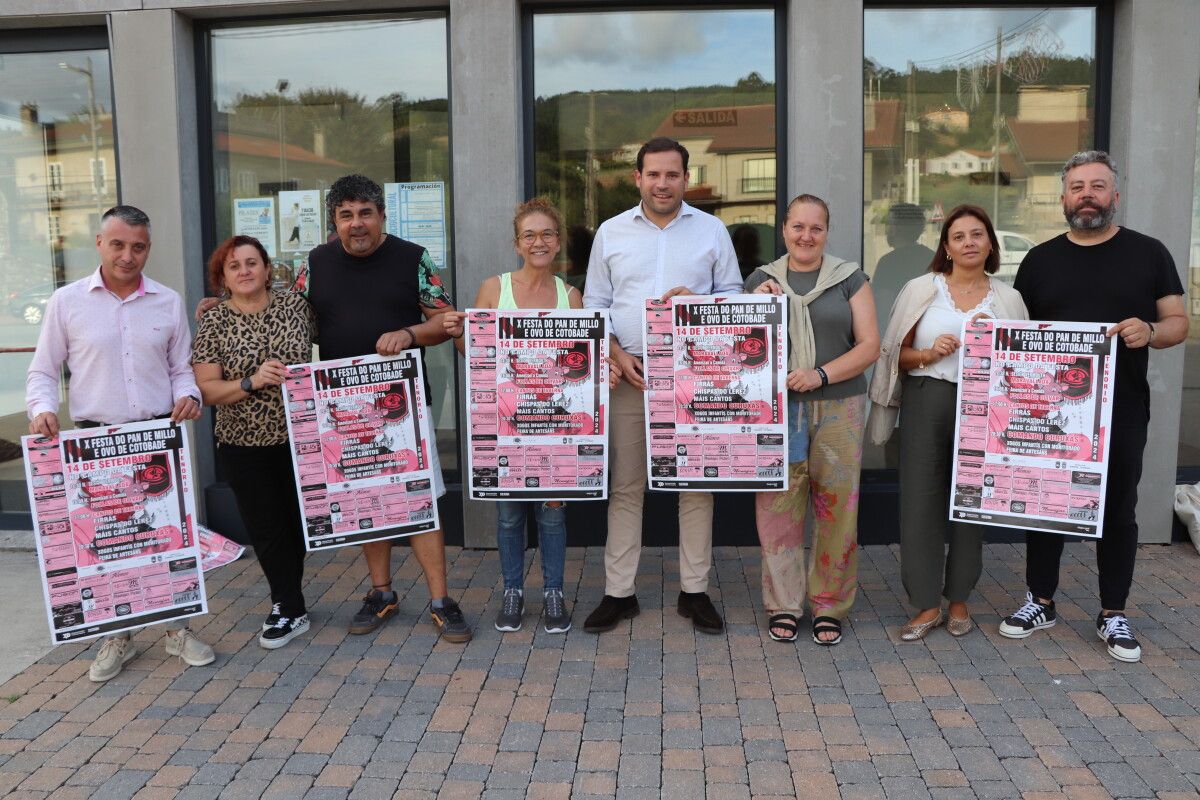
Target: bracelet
{"x": 824, "y": 376}
{"x": 412, "y": 337}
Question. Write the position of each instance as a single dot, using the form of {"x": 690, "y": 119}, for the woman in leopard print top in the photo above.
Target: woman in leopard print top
{"x": 239, "y": 357}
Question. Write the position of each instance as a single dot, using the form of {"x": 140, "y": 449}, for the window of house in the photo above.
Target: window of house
{"x": 758, "y": 175}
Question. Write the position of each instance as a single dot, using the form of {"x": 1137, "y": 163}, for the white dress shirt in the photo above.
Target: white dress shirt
{"x": 129, "y": 359}
{"x": 633, "y": 260}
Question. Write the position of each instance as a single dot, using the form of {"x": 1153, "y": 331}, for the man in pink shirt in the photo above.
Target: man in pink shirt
{"x": 126, "y": 341}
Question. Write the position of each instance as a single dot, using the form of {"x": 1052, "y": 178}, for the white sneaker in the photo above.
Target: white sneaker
{"x": 1116, "y": 633}
{"x": 189, "y": 647}
{"x": 115, "y": 653}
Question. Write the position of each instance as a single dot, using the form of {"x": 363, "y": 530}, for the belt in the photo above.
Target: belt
{"x": 88, "y": 423}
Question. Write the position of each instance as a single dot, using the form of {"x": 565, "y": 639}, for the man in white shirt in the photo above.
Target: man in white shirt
{"x": 127, "y": 343}
{"x": 660, "y": 248}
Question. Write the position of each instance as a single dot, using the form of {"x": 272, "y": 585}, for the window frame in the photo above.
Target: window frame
{"x": 779, "y": 9}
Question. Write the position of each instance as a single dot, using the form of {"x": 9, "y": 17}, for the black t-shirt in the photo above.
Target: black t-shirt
{"x": 357, "y": 299}
{"x": 1108, "y": 282}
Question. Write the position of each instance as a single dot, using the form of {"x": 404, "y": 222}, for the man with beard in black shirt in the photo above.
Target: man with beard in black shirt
{"x": 1100, "y": 272}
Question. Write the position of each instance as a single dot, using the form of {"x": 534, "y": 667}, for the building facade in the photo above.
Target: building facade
{"x": 218, "y": 116}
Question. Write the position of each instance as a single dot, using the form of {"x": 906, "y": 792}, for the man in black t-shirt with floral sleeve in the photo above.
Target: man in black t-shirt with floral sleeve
{"x": 1101, "y": 272}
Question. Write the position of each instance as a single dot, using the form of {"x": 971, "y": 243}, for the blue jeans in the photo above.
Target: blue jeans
{"x": 552, "y": 540}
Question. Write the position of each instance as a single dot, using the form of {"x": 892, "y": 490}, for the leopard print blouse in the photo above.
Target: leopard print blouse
{"x": 240, "y": 342}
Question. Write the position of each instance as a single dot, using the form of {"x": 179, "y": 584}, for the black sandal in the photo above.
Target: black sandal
{"x": 826, "y": 625}
{"x": 787, "y": 622}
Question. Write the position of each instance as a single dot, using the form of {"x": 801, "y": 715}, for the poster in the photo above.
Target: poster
{"x": 300, "y": 221}
{"x": 255, "y": 216}
{"x": 215, "y": 549}
{"x": 538, "y": 410}
{"x": 716, "y": 406}
{"x": 1035, "y": 406}
{"x": 417, "y": 212}
{"x": 114, "y": 516}
{"x": 359, "y": 429}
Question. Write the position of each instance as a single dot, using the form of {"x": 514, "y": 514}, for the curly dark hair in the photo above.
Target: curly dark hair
{"x": 352, "y": 188}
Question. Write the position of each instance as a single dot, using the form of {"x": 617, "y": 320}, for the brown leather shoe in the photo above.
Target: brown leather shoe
{"x": 703, "y": 614}
{"x": 611, "y": 611}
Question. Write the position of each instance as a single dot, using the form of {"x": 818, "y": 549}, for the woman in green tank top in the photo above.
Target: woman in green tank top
{"x": 537, "y": 236}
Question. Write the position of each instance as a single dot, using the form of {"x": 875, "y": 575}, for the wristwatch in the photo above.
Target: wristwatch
{"x": 247, "y": 385}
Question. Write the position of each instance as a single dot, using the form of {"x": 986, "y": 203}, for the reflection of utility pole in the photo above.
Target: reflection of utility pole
{"x": 996, "y": 125}
{"x": 281, "y": 86}
{"x": 912, "y": 126}
{"x": 589, "y": 166}
{"x": 91, "y": 86}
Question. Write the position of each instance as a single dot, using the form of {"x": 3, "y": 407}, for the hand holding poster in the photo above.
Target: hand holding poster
{"x": 114, "y": 518}
{"x": 716, "y": 370}
{"x": 1035, "y": 407}
{"x": 538, "y": 410}
{"x": 359, "y": 429}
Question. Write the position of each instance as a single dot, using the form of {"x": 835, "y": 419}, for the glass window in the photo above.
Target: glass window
{"x": 986, "y": 116}
{"x": 1189, "y": 425}
{"x": 56, "y": 121}
{"x": 605, "y": 82}
{"x": 284, "y": 121}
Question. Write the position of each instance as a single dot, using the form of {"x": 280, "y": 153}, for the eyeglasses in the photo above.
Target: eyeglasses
{"x": 548, "y": 236}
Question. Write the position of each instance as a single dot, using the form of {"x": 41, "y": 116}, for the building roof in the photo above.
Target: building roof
{"x": 747, "y": 128}
{"x": 887, "y": 131}
{"x": 1049, "y": 142}
{"x": 269, "y": 148}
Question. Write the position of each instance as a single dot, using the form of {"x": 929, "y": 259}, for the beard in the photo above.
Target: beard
{"x": 1098, "y": 221}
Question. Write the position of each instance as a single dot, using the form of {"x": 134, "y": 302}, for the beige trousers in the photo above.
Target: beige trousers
{"x": 627, "y": 462}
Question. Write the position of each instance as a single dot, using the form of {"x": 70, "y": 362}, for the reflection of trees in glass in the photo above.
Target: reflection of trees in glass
{"x": 619, "y": 121}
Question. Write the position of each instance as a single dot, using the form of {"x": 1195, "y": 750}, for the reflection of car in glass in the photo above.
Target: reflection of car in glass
{"x": 1013, "y": 247}
{"x": 30, "y": 304}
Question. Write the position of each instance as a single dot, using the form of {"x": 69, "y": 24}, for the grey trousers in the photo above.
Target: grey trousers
{"x": 928, "y": 411}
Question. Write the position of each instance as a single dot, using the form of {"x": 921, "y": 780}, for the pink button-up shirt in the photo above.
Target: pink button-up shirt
{"x": 129, "y": 359}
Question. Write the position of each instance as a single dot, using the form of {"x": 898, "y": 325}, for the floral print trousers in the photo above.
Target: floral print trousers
{"x": 828, "y": 482}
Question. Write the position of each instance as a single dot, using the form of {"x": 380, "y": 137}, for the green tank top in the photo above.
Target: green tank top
{"x": 508, "y": 302}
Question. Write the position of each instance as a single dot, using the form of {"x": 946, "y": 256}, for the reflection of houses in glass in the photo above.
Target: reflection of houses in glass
{"x": 252, "y": 163}
{"x": 883, "y": 146}
{"x": 963, "y": 161}
{"x": 56, "y": 181}
{"x": 946, "y": 118}
{"x": 732, "y": 159}
{"x": 1052, "y": 124}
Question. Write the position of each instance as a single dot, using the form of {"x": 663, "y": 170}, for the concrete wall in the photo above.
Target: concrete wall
{"x": 1156, "y": 69}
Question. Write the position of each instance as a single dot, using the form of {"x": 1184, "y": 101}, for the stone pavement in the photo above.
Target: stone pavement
{"x": 650, "y": 709}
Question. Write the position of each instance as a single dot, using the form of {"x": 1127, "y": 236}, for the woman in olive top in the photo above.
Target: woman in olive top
{"x": 832, "y": 339}
{"x": 239, "y": 357}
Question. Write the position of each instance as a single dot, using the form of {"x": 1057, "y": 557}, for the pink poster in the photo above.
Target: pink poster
{"x": 114, "y": 517}
{"x": 716, "y": 411}
{"x": 538, "y": 409}
{"x": 215, "y": 549}
{"x": 1035, "y": 402}
{"x": 359, "y": 429}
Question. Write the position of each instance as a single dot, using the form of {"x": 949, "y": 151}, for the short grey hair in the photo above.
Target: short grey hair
{"x": 130, "y": 215}
{"x": 1090, "y": 157}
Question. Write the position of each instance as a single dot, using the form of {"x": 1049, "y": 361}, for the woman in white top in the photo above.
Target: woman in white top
{"x": 537, "y": 236}
{"x": 919, "y": 360}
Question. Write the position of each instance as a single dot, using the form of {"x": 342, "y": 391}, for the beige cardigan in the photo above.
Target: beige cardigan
{"x": 910, "y": 305}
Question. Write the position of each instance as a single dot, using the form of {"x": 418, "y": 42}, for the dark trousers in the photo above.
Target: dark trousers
{"x": 263, "y": 483}
{"x": 927, "y": 415}
{"x": 1117, "y": 549}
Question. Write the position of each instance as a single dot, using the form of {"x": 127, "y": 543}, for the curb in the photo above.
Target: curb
{"x": 17, "y": 542}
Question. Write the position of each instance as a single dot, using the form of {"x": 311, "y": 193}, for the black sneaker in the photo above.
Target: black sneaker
{"x": 273, "y": 617}
{"x": 1114, "y": 630}
{"x": 283, "y": 631}
{"x": 509, "y": 617}
{"x": 375, "y": 609}
{"x": 450, "y": 622}
{"x": 1033, "y": 616}
{"x": 558, "y": 618}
